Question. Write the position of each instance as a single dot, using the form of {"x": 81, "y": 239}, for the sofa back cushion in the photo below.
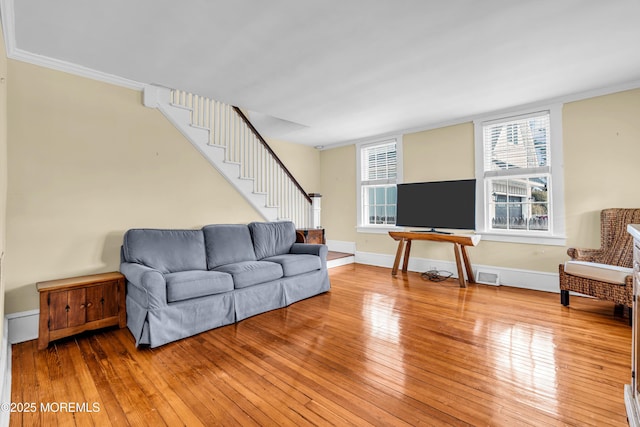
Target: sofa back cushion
{"x": 167, "y": 251}
{"x": 272, "y": 238}
{"x": 227, "y": 244}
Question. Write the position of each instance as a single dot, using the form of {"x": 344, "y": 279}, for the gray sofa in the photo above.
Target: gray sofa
{"x": 183, "y": 282}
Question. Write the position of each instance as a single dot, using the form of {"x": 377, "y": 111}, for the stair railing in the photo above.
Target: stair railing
{"x": 229, "y": 128}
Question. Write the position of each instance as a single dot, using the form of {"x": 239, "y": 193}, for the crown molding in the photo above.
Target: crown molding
{"x": 7, "y": 15}
{"x": 68, "y": 67}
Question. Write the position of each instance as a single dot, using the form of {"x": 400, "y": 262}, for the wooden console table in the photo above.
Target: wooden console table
{"x": 460, "y": 241}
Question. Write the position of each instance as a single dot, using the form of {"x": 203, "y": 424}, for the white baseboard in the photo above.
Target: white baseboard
{"x": 23, "y": 326}
{"x": 517, "y": 278}
{"x": 341, "y": 246}
{"x": 341, "y": 261}
{"x": 633, "y": 418}
{"x": 5, "y": 374}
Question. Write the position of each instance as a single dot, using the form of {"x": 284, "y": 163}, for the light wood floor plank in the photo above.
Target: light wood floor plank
{"x": 375, "y": 350}
{"x": 155, "y": 374}
{"x": 110, "y": 410}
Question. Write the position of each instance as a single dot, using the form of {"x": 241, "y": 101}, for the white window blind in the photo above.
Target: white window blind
{"x": 379, "y": 164}
{"x": 517, "y": 146}
{"x": 379, "y": 171}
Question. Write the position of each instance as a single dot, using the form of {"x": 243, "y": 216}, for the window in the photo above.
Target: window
{"x": 519, "y": 178}
{"x": 378, "y": 172}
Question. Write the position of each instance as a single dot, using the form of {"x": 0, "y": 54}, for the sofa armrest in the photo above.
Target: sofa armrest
{"x": 310, "y": 249}
{"x": 148, "y": 281}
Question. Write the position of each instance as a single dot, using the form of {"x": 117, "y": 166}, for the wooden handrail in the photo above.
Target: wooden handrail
{"x": 266, "y": 146}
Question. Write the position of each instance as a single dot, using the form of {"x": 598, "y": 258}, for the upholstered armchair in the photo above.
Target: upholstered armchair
{"x": 604, "y": 273}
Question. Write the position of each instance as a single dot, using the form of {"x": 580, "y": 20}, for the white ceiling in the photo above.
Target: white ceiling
{"x": 328, "y": 71}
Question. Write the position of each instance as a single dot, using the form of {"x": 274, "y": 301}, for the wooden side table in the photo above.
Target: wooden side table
{"x": 460, "y": 241}
{"x": 310, "y": 235}
{"x": 77, "y": 304}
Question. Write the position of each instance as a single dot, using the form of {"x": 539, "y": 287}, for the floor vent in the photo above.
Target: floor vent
{"x": 488, "y": 278}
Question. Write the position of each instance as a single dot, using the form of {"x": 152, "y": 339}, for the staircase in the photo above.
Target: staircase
{"x": 226, "y": 138}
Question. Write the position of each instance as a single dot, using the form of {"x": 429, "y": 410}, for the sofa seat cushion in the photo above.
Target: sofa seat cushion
{"x": 248, "y": 273}
{"x": 196, "y": 283}
{"x": 292, "y": 265}
{"x": 601, "y": 272}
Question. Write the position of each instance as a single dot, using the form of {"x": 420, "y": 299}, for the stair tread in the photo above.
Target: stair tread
{"x": 184, "y": 107}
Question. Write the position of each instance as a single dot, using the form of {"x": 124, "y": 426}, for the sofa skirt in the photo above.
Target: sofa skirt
{"x": 179, "y": 320}
{"x": 303, "y": 286}
{"x": 161, "y": 325}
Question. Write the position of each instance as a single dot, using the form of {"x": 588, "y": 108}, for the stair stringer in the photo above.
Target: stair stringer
{"x": 159, "y": 98}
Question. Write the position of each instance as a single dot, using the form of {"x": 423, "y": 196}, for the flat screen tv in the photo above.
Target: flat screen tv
{"x": 437, "y": 205}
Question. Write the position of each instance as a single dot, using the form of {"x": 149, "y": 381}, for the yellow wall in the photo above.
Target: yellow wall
{"x": 87, "y": 162}
{"x": 601, "y": 148}
{"x": 302, "y": 161}
{"x": 428, "y": 155}
{"x": 601, "y": 152}
{"x": 338, "y": 182}
{"x": 3, "y": 173}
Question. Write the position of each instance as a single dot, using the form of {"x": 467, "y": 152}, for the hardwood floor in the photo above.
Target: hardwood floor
{"x": 375, "y": 350}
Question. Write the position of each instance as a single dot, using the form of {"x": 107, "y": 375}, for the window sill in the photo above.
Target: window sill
{"x": 549, "y": 240}
{"x": 377, "y": 230}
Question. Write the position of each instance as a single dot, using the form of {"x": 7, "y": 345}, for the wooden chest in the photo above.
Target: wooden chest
{"x": 310, "y": 235}
{"x": 77, "y": 304}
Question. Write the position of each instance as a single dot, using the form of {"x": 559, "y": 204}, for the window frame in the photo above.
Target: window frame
{"x": 362, "y": 226}
{"x": 556, "y": 234}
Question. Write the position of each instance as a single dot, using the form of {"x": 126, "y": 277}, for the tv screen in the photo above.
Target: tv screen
{"x": 440, "y": 204}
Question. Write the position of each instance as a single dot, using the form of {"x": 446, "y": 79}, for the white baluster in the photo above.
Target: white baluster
{"x": 228, "y": 129}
